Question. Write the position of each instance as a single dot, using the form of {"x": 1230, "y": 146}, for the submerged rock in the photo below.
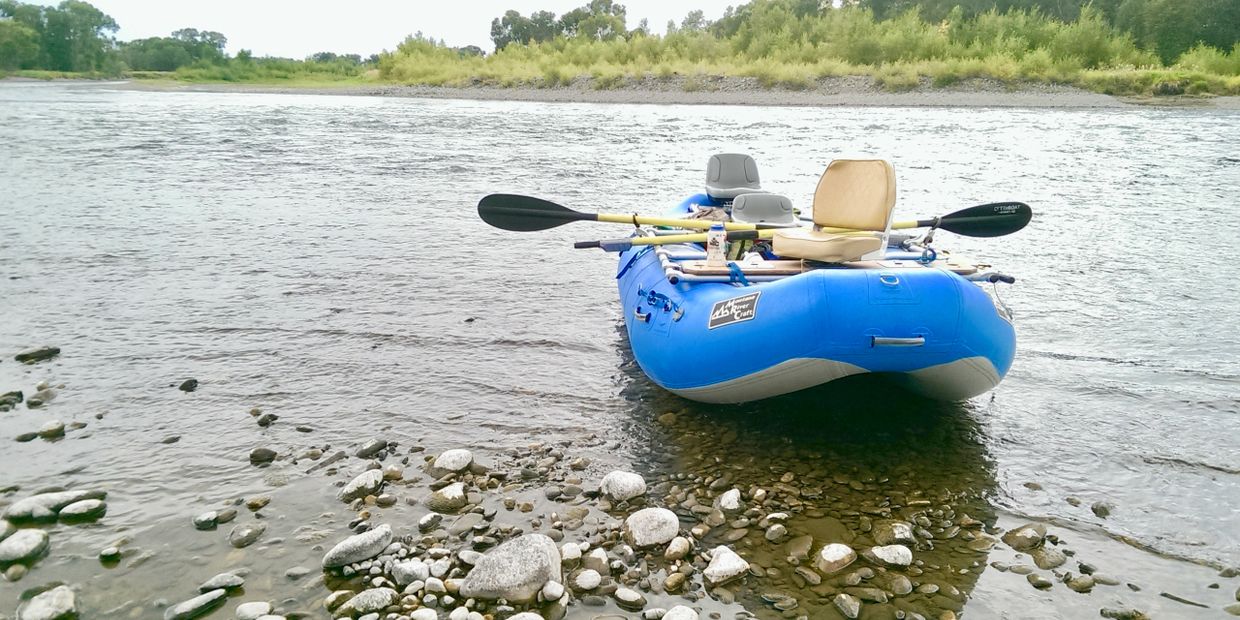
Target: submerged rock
{"x": 834, "y": 557}
{"x": 23, "y": 546}
{"x": 206, "y": 521}
{"x": 897, "y": 556}
{"x": 52, "y": 429}
{"x": 651, "y": 526}
{"x": 369, "y": 601}
{"x": 261, "y": 456}
{"x": 188, "y": 385}
{"x": 253, "y": 610}
{"x": 43, "y": 507}
{"x": 680, "y": 612}
{"x": 197, "y": 606}
{"x": 448, "y": 499}
{"x": 725, "y": 565}
{"x": 1025, "y": 537}
{"x": 367, "y": 483}
{"x": 37, "y": 354}
{"x": 55, "y": 604}
{"x": 359, "y": 547}
{"x": 515, "y": 570}
{"x": 451, "y": 462}
{"x": 222, "y": 581}
{"x": 85, "y": 510}
{"x": 893, "y": 532}
{"x": 622, "y": 485}
{"x": 245, "y": 534}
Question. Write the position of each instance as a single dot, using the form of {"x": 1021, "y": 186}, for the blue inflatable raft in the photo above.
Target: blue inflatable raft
{"x": 764, "y": 326}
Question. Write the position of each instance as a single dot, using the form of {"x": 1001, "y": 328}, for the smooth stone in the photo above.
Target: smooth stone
{"x": 1038, "y": 581}
{"x": 651, "y": 526}
{"x": 429, "y": 521}
{"x": 55, "y": 604}
{"x": 516, "y": 570}
{"x": 23, "y": 546}
{"x": 674, "y": 582}
{"x": 1122, "y": 614}
{"x": 1102, "y": 509}
{"x": 596, "y": 560}
{"x": 245, "y": 534}
{"x": 623, "y": 485}
{"x": 450, "y": 462}
{"x": 197, "y": 606}
{"x": 110, "y": 554}
{"x": 337, "y": 598}
{"x": 43, "y": 507}
{"x": 1047, "y": 558}
{"x": 359, "y": 547}
{"x": 1233, "y": 609}
{"x": 629, "y": 599}
{"x": 260, "y": 456}
{"x": 570, "y": 554}
{"x": 775, "y": 532}
{"x": 85, "y": 510}
{"x": 677, "y": 549}
{"x": 465, "y": 523}
{"x": 800, "y": 547}
{"x": 253, "y": 610}
{"x": 1025, "y": 537}
{"x": 369, "y": 601}
{"x": 405, "y": 573}
{"x": 892, "y": 555}
{"x": 448, "y": 499}
{"x": 15, "y": 572}
{"x": 222, "y": 581}
{"x": 680, "y": 612}
{"x": 724, "y": 566}
{"x": 834, "y": 558}
{"x": 51, "y": 429}
{"x": 206, "y": 520}
{"x": 1082, "y": 583}
{"x": 188, "y": 385}
{"x": 552, "y": 591}
{"x": 848, "y": 605}
{"x": 424, "y": 614}
{"x": 587, "y": 580}
{"x": 297, "y": 572}
{"x": 371, "y": 449}
{"x": 526, "y": 615}
{"x": 366, "y": 483}
{"x": 900, "y": 585}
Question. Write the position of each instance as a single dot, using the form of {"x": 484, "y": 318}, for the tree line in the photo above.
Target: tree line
{"x": 1166, "y": 27}
{"x": 74, "y": 36}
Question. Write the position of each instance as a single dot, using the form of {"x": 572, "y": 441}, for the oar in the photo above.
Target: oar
{"x": 988, "y": 220}
{"x": 527, "y": 213}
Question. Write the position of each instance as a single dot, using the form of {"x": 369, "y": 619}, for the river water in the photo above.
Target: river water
{"x": 319, "y": 257}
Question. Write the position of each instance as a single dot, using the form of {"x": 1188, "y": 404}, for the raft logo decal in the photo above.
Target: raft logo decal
{"x": 735, "y": 310}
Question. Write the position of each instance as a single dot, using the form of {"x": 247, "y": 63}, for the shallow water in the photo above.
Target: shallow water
{"x": 319, "y": 257}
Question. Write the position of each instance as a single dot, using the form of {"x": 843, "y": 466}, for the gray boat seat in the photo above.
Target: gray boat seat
{"x": 761, "y": 208}
{"x": 729, "y": 175}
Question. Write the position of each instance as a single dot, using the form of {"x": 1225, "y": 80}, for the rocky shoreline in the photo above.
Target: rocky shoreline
{"x": 542, "y": 533}
{"x": 718, "y": 90}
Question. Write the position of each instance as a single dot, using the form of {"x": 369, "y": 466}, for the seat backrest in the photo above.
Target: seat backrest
{"x": 762, "y": 208}
{"x": 729, "y": 175}
{"x": 856, "y": 193}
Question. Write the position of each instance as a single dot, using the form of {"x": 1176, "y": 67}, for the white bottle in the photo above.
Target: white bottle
{"x": 716, "y": 245}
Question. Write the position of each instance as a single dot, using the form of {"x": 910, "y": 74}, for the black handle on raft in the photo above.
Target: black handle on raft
{"x": 998, "y": 277}
{"x": 585, "y": 244}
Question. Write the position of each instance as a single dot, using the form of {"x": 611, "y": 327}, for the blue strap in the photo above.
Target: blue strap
{"x": 736, "y": 276}
{"x": 632, "y": 259}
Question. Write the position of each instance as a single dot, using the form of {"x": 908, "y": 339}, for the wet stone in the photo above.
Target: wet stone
{"x": 451, "y": 461}
{"x": 1102, "y": 509}
{"x": 631, "y": 600}
{"x": 371, "y": 449}
{"x": 515, "y": 570}
{"x": 44, "y": 506}
{"x": 82, "y": 511}
{"x": 800, "y": 547}
{"x": 359, "y": 547}
{"x": 23, "y": 546}
{"x": 900, "y": 585}
{"x": 370, "y": 601}
{"x": 1038, "y": 581}
{"x": 834, "y": 558}
{"x": 261, "y": 456}
{"x": 1025, "y": 537}
{"x": 893, "y": 532}
{"x": 222, "y": 581}
{"x": 1082, "y": 583}
{"x": 848, "y": 605}
{"x": 725, "y": 565}
{"x": 252, "y": 610}
{"x": 55, "y": 604}
{"x": 623, "y": 485}
{"x": 448, "y": 499}
{"x": 37, "y": 354}
{"x": 198, "y": 606}
{"x": 367, "y": 483}
{"x": 1047, "y": 558}
{"x": 246, "y": 534}
{"x": 1121, "y": 613}
{"x": 651, "y": 526}
{"x": 897, "y": 556}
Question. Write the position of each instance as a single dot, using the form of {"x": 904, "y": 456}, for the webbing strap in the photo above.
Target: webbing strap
{"x": 736, "y": 276}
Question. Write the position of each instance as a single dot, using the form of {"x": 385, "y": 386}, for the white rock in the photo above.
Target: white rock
{"x": 892, "y": 532}
{"x": 587, "y": 579}
{"x": 359, "y": 547}
{"x": 367, "y": 483}
{"x": 526, "y": 615}
{"x": 253, "y": 610}
{"x": 596, "y": 560}
{"x": 677, "y": 549}
{"x": 724, "y": 566}
{"x": 570, "y": 553}
{"x": 44, "y": 507}
{"x": 6, "y": 529}
{"x": 22, "y": 546}
{"x": 435, "y": 585}
{"x": 55, "y": 604}
{"x": 848, "y": 605}
{"x": 552, "y": 591}
{"x": 623, "y": 485}
{"x": 85, "y": 510}
{"x": 451, "y": 461}
{"x": 405, "y": 573}
{"x": 651, "y": 526}
{"x": 370, "y": 601}
{"x": 834, "y": 557}
{"x": 893, "y": 555}
{"x": 730, "y": 501}
{"x": 424, "y": 614}
{"x": 515, "y": 570}
{"x": 680, "y": 612}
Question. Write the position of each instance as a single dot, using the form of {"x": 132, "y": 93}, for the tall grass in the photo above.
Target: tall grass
{"x": 780, "y": 50}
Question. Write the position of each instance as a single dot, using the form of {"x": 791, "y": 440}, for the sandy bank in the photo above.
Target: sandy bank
{"x": 841, "y": 91}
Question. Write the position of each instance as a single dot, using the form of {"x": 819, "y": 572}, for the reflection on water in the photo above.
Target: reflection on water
{"x": 843, "y": 461}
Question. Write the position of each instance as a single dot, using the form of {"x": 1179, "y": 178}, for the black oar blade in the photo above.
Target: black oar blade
{"x": 990, "y": 220}
{"x": 525, "y": 213}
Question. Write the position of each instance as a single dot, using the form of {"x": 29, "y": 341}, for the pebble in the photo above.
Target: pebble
{"x": 258, "y": 502}
{"x": 680, "y": 612}
{"x": 552, "y": 591}
{"x": 622, "y": 485}
{"x": 1038, "y": 581}
{"x": 775, "y": 532}
{"x": 246, "y": 534}
{"x": 1102, "y": 509}
{"x": 262, "y": 456}
{"x": 631, "y": 600}
{"x": 110, "y": 554}
{"x": 366, "y": 483}
{"x": 651, "y": 526}
{"x": 730, "y": 501}
{"x": 724, "y": 566}
{"x": 892, "y": 555}
{"x": 800, "y": 547}
{"x": 297, "y": 572}
{"x": 677, "y": 549}
{"x": 52, "y": 429}
{"x": 848, "y": 605}
{"x": 369, "y": 601}
{"x": 451, "y": 461}
{"x": 1025, "y": 537}
{"x": 893, "y": 532}
{"x": 197, "y": 606}
{"x": 834, "y": 558}
{"x": 206, "y": 520}
{"x": 900, "y": 585}
{"x": 448, "y": 499}
{"x": 587, "y": 580}
{"x": 405, "y": 573}
{"x": 188, "y": 385}
{"x": 23, "y": 546}
{"x": 1122, "y": 613}
{"x": 55, "y": 604}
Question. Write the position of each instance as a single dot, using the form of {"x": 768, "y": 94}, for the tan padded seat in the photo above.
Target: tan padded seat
{"x": 824, "y": 247}
{"x": 857, "y": 194}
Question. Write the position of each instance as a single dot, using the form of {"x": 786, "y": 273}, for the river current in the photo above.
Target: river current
{"x": 320, "y": 257}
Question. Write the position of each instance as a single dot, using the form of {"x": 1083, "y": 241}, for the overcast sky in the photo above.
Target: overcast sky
{"x": 297, "y": 29}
